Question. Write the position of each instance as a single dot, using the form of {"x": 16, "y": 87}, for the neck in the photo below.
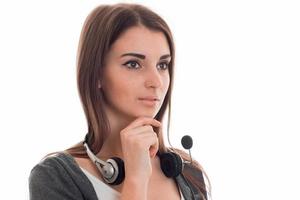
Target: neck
{"x": 112, "y": 144}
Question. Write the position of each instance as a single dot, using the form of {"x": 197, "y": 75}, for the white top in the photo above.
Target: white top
{"x": 103, "y": 191}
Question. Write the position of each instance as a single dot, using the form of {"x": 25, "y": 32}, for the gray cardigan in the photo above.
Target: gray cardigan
{"x": 60, "y": 177}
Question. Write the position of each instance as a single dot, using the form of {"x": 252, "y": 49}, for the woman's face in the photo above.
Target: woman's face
{"x": 136, "y": 76}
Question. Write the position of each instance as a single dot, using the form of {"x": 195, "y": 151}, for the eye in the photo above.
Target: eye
{"x": 164, "y": 65}
{"x": 132, "y": 64}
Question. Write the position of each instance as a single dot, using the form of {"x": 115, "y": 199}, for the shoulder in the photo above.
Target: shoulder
{"x": 194, "y": 171}
{"x": 193, "y": 168}
{"x": 57, "y": 160}
{"x": 193, "y": 176}
{"x": 55, "y": 166}
{"x": 56, "y": 177}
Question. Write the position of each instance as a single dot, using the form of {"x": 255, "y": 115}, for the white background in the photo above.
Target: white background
{"x": 237, "y": 90}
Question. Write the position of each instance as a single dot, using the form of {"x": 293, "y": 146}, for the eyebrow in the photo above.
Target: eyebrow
{"x": 141, "y": 56}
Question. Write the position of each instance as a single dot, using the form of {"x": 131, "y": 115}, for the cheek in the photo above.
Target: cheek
{"x": 120, "y": 88}
{"x": 166, "y": 83}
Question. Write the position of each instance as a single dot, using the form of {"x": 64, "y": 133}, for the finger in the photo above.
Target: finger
{"x": 143, "y": 121}
{"x": 154, "y": 148}
{"x": 138, "y": 135}
{"x": 151, "y": 142}
{"x": 136, "y": 131}
{"x": 140, "y": 129}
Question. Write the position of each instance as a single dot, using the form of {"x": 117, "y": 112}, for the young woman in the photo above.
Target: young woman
{"x": 125, "y": 75}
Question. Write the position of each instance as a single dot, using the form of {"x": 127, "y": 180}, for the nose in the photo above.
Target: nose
{"x": 153, "y": 78}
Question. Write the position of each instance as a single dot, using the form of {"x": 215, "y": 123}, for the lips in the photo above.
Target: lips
{"x": 150, "y": 101}
{"x": 150, "y": 98}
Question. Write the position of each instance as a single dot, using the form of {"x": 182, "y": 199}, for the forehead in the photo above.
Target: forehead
{"x": 142, "y": 40}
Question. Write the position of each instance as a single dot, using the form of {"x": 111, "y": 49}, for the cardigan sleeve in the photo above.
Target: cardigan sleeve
{"x": 49, "y": 180}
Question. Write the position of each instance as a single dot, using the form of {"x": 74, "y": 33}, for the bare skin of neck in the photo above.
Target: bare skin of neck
{"x": 112, "y": 144}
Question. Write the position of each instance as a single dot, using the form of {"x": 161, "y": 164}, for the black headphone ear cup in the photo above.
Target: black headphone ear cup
{"x": 119, "y": 171}
{"x": 171, "y": 164}
{"x": 179, "y": 164}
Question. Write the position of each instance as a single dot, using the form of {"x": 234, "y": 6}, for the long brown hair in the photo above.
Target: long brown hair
{"x": 101, "y": 28}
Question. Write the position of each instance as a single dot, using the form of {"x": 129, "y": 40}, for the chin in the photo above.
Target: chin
{"x": 142, "y": 112}
{"x": 145, "y": 113}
